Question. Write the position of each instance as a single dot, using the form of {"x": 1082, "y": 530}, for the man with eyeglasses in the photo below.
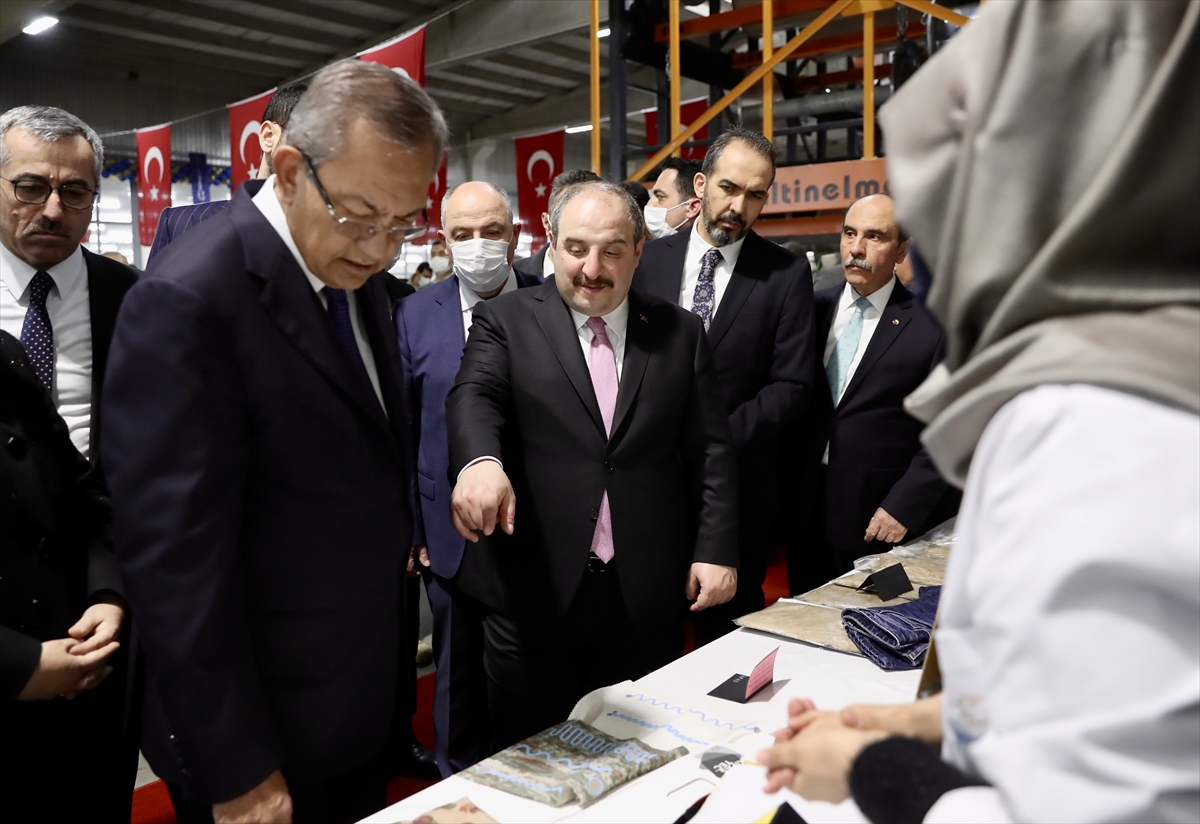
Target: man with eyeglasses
{"x": 260, "y": 463}
{"x": 60, "y": 602}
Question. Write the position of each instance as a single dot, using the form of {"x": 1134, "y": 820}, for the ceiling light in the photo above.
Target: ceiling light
{"x": 827, "y": 91}
{"x": 40, "y": 25}
{"x": 578, "y": 129}
{"x": 603, "y": 32}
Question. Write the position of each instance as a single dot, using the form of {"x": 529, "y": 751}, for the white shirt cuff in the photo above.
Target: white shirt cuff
{"x": 477, "y": 460}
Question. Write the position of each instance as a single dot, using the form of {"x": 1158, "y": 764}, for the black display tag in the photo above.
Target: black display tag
{"x": 786, "y": 814}
{"x": 719, "y": 760}
{"x": 888, "y": 583}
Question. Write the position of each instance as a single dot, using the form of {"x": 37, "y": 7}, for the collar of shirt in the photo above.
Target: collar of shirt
{"x": 547, "y": 266}
{"x": 616, "y": 321}
{"x": 697, "y": 246}
{"x": 18, "y": 274}
{"x": 468, "y": 299}
{"x": 268, "y": 203}
{"x": 879, "y": 298}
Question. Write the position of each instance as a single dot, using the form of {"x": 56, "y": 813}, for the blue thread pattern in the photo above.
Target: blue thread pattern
{"x": 680, "y": 711}
{"x": 571, "y": 765}
{"x": 666, "y": 727}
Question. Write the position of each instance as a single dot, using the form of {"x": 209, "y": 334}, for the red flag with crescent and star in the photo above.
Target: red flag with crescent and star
{"x": 153, "y": 179}
{"x": 539, "y": 159}
{"x": 405, "y": 53}
{"x": 245, "y": 122}
{"x": 688, "y": 112}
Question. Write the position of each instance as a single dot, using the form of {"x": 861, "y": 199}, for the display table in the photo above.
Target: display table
{"x": 670, "y": 707}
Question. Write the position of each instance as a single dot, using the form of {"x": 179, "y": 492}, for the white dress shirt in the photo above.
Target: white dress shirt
{"x": 548, "y": 265}
{"x": 268, "y": 203}
{"x": 616, "y": 323}
{"x": 697, "y": 247}
{"x": 468, "y": 299}
{"x": 1067, "y": 630}
{"x": 71, "y": 319}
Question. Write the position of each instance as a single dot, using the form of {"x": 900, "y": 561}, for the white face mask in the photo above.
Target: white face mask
{"x": 481, "y": 264}
{"x": 440, "y": 264}
{"x": 656, "y": 219}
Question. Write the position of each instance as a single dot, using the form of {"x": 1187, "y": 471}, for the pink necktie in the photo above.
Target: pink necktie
{"x": 603, "y": 366}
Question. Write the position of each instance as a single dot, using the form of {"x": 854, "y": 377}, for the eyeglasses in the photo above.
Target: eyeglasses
{"x": 36, "y": 192}
{"x": 364, "y": 229}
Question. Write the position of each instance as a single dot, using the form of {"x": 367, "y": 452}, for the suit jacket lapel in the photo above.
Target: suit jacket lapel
{"x": 555, "y": 319}
{"x": 450, "y": 312}
{"x": 374, "y": 315}
{"x": 637, "y": 354}
{"x": 104, "y": 300}
{"x": 741, "y": 284}
{"x": 895, "y": 317}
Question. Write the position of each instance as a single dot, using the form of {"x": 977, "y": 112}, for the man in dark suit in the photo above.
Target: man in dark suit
{"x": 673, "y": 205}
{"x": 538, "y": 265}
{"x": 755, "y": 299}
{"x": 259, "y": 458}
{"x": 598, "y": 410}
{"x": 866, "y": 482}
{"x": 178, "y": 219}
{"x": 432, "y": 327}
{"x": 61, "y": 301}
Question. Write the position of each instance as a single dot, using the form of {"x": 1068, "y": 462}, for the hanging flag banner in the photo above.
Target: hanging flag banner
{"x": 245, "y": 122}
{"x": 688, "y": 112}
{"x": 154, "y": 179}
{"x": 433, "y": 205}
{"x": 405, "y": 53}
{"x": 539, "y": 159}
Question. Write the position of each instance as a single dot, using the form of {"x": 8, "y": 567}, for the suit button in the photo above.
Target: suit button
{"x": 594, "y": 514}
{"x": 608, "y": 466}
{"x": 16, "y": 447}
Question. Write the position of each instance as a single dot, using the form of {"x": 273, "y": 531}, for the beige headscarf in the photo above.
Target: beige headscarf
{"x": 1047, "y": 162}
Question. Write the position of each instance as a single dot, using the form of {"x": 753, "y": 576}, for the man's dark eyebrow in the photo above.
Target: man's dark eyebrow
{"x": 605, "y": 243}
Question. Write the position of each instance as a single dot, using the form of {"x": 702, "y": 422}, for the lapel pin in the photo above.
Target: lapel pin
{"x": 895, "y": 321}
{"x": 644, "y": 319}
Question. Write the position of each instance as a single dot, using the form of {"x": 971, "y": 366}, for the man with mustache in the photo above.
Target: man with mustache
{"x": 590, "y": 447}
{"x": 866, "y": 482}
{"x": 755, "y": 300}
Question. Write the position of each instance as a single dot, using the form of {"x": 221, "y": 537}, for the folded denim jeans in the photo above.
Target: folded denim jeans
{"x": 894, "y": 637}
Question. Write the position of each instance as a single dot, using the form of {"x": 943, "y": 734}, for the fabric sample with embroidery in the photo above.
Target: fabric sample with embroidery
{"x": 571, "y": 763}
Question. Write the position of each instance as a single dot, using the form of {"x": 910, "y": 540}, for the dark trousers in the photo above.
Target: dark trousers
{"x": 68, "y": 760}
{"x": 343, "y": 799}
{"x": 754, "y": 533}
{"x": 536, "y": 674}
{"x": 460, "y": 716}
{"x": 810, "y": 558}
{"x": 400, "y": 736}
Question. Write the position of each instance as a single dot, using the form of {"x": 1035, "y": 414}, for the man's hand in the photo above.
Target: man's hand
{"x": 418, "y": 554}
{"x": 710, "y": 584}
{"x": 816, "y": 762}
{"x": 483, "y": 498}
{"x": 884, "y": 527}
{"x": 268, "y": 803}
{"x": 99, "y": 624}
{"x": 60, "y": 672}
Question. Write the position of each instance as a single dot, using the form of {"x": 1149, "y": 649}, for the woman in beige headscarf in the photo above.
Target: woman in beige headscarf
{"x": 1047, "y": 161}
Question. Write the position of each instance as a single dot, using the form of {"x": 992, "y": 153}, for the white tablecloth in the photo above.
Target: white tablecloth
{"x": 670, "y": 707}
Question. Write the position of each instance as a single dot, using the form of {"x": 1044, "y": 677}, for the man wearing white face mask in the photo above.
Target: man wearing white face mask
{"x": 432, "y": 327}
{"x": 673, "y": 205}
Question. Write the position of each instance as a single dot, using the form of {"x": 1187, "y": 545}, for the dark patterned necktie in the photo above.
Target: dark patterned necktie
{"x": 37, "y": 335}
{"x": 338, "y": 312}
{"x": 704, "y": 300}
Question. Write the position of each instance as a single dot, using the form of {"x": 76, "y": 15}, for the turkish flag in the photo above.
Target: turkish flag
{"x": 153, "y": 180}
{"x": 433, "y": 206}
{"x": 405, "y": 53}
{"x": 688, "y": 112}
{"x": 245, "y": 122}
{"x": 539, "y": 159}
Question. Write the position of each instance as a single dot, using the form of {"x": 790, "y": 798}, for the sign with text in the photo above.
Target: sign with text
{"x": 821, "y": 186}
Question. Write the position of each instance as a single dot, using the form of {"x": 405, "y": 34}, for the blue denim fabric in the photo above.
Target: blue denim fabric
{"x": 896, "y": 637}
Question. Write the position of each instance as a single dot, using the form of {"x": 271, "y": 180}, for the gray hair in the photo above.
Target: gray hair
{"x": 49, "y": 125}
{"x": 341, "y": 93}
{"x": 500, "y": 193}
{"x": 636, "y": 219}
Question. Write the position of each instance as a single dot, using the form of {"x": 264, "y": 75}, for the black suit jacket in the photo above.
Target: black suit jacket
{"x": 532, "y": 266}
{"x": 875, "y": 454}
{"x": 108, "y": 281}
{"x": 261, "y": 511}
{"x": 524, "y": 395}
{"x": 762, "y": 343}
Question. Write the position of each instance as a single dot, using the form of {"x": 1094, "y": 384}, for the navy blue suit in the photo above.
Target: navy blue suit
{"x": 762, "y": 346}
{"x": 261, "y": 510}
{"x": 875, "y": 453}
{"x": 429, "y": 327}
{"x": 175, "y": 221}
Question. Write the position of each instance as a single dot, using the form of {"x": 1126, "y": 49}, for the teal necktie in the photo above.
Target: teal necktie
{"x": 843, "y": 353}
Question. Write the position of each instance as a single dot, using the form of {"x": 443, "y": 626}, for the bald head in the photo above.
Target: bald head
{"x": 871, "y": 244}
{"x": 476, "y": 209}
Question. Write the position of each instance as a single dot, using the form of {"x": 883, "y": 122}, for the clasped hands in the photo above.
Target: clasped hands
{"x": 814, "y": 753}
{"x": 483, "y": 499}
{"x": 69, "y": 666}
